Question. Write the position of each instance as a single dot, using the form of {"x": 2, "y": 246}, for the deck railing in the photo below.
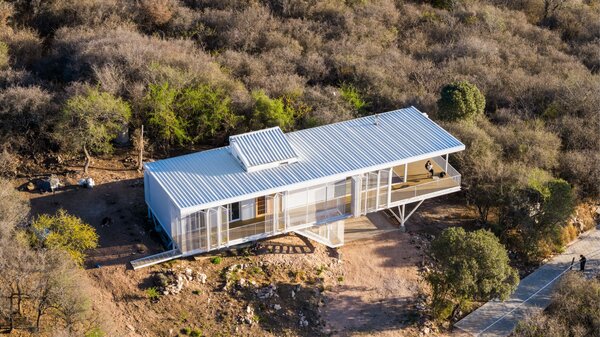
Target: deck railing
{"x": 259, "y": 227}
{"x": 425, "y": 188}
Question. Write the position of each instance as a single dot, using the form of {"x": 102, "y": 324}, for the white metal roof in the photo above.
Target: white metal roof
{"x": 262, "y": 149}
{"x": 325, "y": 153}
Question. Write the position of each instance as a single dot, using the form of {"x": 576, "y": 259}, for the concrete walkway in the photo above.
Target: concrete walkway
{"x": 498, "y": 319}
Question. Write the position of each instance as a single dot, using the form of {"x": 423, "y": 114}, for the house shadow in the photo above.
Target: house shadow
{"x": 116, "y": 210}
{"x": 274, "y": 246}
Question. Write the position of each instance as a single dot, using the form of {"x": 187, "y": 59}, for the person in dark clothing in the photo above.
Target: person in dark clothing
{"x": 429, "y": 167}
{"x": 582, "y": 261}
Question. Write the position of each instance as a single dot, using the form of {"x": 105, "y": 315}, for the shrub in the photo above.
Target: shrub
{"x": 215, "y": 260}
{"x": 270, "y": 112}
{"x": 14, "y": 210}
{"x": 353, "y": 97}
{"x": 196, "y": 333}
{"x": 26, "y": 115}
{"x": 4, "y": 58}
{"x": 569, "y": 233}
{"x": 91, "y": 121}
{"x": 468, "y": 266}
{"x": 63, "y": 231}
{"x": 163, "y": 120}
{"x": 185, "y": 331}
{"x": 95, "y": 332}
{"x": 208, "y": 112}
{"x": 8, "y": 164}
{"x": 460, "y": 101}
{"x": 153, "y": 294}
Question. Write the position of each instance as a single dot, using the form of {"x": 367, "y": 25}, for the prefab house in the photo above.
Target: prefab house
{"x": 268, "y": 182}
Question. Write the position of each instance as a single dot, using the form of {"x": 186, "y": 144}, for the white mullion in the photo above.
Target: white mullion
{"x": 389, "y": 191}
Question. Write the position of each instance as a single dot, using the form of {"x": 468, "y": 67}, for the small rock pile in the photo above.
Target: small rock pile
{"x": 172, "y": 282}
{"x": 267, "y": 292}
{"x": 421, "y": 241}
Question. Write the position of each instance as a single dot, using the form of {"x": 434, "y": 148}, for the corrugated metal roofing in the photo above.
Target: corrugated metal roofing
{"x": 263, "y": 147}
{"x": 330, "y": 151}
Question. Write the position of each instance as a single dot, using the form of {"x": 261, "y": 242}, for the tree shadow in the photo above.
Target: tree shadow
{"x": 118, "y": 213}
{"x": 348, "y": 314}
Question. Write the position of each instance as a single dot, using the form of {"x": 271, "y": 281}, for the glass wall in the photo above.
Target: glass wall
{"x": 319, "y": 203}
{"x": 194, "y": 234}
{"x": 375, "y": 190}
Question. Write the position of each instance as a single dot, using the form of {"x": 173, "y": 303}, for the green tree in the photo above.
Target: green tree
{"x": 270, "y": 112}
{"x": 468, "y": 266}
{"x": 536, "y": 214}
{"x": 208, "y": 112}
{"x": 166, "y": 125}
{"x": 63, "y": 231}
{"x": 460, "y": 101}
{"x": 351, "y": 95}
{"x": 90, "y": 122}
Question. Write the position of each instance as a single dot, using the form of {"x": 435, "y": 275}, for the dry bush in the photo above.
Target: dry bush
{"x": 169, "y": 17}
{"x": 569, "y": 233}
{"x": 576, "y": 303}
{"x": 8, "y": 164}
{"x": 527, "y": 142}
{"x": 238, "y": 29}
{"x": 116, "y": 54}
{"x": 582, "y": 168}
{"x": 12, "y": 77}
{"x": 541, "y": 325}
{"x": 6, "y": 11}
{"x": 25, "y": 47}
{"x": 157, "y": 12}
{"x": 25, "y": 115}
{"x": 14, "y": 210}
{"x": 327, "y": 106}
{"x": 49, "y": 16}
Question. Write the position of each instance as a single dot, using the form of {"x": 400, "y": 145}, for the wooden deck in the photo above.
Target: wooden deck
{"x": 417, "y": 174}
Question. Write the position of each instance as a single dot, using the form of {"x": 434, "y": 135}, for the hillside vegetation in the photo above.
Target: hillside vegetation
{"x": 517, "y": 81}
{"x": 75, "y": 74}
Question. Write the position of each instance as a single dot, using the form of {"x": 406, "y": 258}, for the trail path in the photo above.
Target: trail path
{"x": 498, "y": 319}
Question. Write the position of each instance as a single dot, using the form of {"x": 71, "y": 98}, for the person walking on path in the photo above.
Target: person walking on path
{"x": 582, "y": 261}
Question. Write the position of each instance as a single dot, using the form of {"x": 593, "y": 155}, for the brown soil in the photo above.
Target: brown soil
{"x": 382, "y": 278}
{"x": 371, "y": 292}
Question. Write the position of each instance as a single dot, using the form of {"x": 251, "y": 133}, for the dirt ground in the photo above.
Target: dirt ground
{"x": 368, "y": 287}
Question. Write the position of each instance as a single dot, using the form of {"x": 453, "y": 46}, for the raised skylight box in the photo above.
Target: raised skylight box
{"x": 262, "y": 149}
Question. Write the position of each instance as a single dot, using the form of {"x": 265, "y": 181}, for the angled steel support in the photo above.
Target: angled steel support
{"x": 402, "y": 217}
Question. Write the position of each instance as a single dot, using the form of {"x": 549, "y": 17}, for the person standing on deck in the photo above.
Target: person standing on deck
{"x": 429, "y": 167}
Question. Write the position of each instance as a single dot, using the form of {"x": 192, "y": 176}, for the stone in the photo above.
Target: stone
{"x": 201, "y": 277}
{"x": 277, "y": 307}
{"x": 242, "y": 282}
{"x": 302, "y": 322}
{"x": 130, "y": 327}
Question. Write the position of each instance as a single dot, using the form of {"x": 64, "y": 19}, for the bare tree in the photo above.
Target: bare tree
{"x": 18, "y": 265}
